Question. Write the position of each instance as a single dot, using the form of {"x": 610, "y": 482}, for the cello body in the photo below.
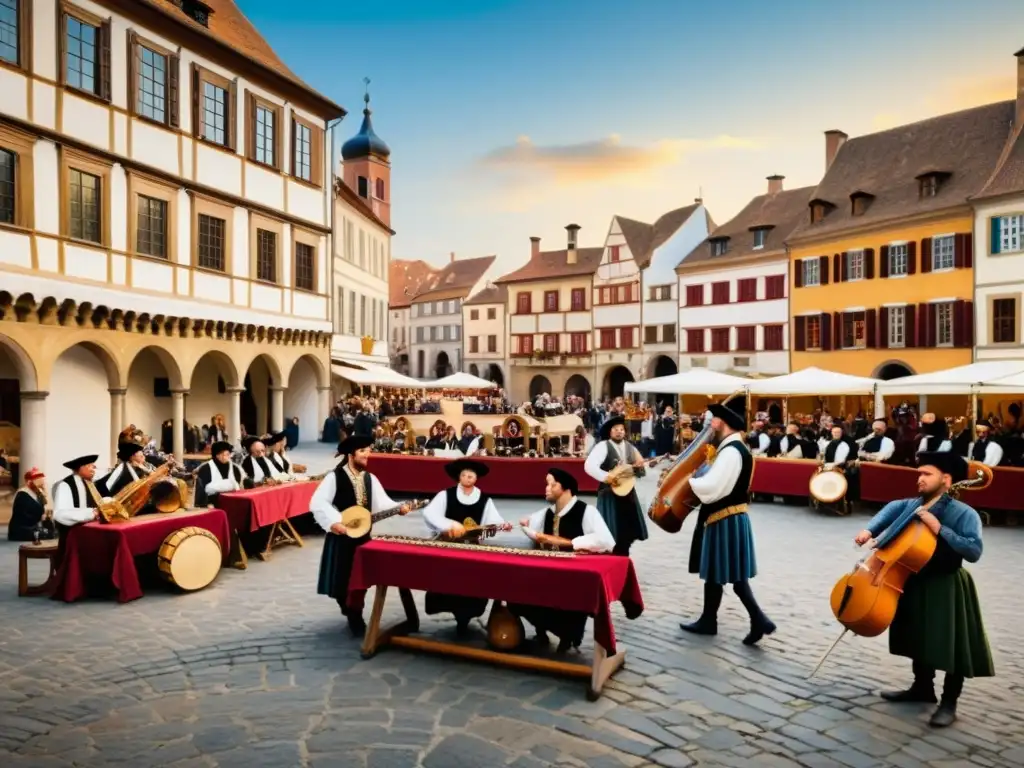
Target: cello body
{"x": 865, "y": 600}
{"x": 674, "y": 499}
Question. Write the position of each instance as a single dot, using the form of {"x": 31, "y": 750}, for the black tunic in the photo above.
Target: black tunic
{"x": 204, "y": 476}
{"x": 340, "y": 551}
{"x": 26, "y": 515}
{"x": 622, "y": 514}
{"x": 464, "y": 608}
{"x": 249, "y": 464}
{"x": 281, "y": 464}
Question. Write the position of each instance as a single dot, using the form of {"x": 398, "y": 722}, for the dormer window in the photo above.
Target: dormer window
{"x": 860, "y": 202}
{"x": 719, "y": 246}
{"x": 819, "y": 210}
{"x": 930, "y": 182}
{"x": 760, "y": 237}
{"x": 197, "y": 11}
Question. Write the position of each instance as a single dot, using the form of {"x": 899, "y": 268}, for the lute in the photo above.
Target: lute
{"x": 359, "y": 520}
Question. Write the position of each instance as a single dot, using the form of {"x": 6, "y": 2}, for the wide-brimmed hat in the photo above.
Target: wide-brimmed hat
{"x": 81, "y": 461}
{"x": 733, "y": 411}
{"x": 219, "y": 447}
{"x": 350, "y": 445}
{"x": 564, "y": 479}
{"x": 614, "y": 421}
{"x": 126, "y": 450}
{"x": 454, "y": 468}
{"x": 946, "y": 462}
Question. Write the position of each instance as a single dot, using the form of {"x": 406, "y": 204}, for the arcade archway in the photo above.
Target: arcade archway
{"x": 442, "y": 367}
{"x": 494, "y": 374}
{"x": 577, "y": 385}
{"x": 615, "y": 381}
{"x": 894, "y": 369}
{"x": 662, "y": 365}
{"x": 539, "y": 385}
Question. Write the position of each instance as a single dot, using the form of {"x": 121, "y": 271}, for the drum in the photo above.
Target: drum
{"x": 190, "y": 558}
{"x": 828, "y": 486}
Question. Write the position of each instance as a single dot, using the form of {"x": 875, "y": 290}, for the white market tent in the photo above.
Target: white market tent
{"x": 962, "y": 380}
{"x": 813, "y": 381}
{"x": 375, "y": 375}
{"x": 1012, "y": 384}
{"x": 459, "y": 381}
{"x": 695, "y": 381}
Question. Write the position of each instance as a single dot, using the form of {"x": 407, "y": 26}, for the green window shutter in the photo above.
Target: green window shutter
{"x": 996, "y": 235}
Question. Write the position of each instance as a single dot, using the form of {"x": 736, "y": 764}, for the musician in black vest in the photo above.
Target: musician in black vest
{"x": 218, "y": 475}
{"x": 934, "y": 435}
{"x": 256, "y": 465}
{"x": 774, "y": 441}
{"x": 876, "y": 446}
{"x": 74, "y": 497}
{"x": 757, "y": 441}
{"x": 791, "y": 444}
{"x": 985, "y": 449}
{"x": 622, "y": 514}
{"x": 131, "y": 467}
{"x": 445, "y": 515}
{"x": 723, "y": 525}
{"x": 28, "y": 512}
{"x": 840, "y": 453}
{"x": 275, "y": 453}
{"x": 573, "y": 519}
{"x": 347, "y": 486}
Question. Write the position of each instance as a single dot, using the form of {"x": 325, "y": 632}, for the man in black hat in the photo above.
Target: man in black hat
{"x": 938, "y": 622}
{"x": 446, "y": 515}
{"x": 934, "y": 434}
{"x": 349, "y": 485}
{"x": 622, "y": 514}
{"x": 722, "y": 551}
{"x": 131, "y": 467}
{"x": 75, "y": 497}
{"x": 275, "y": 444}
{"x": 256, "y": 465}
{"x": 218, "y": 475}
{"x": 568, "y": 521}
{"x": 985, "y": 449}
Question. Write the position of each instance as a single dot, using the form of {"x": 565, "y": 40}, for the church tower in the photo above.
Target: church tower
{"x": 367, "y": 166}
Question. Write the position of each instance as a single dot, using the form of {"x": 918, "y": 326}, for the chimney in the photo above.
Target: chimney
{"x": 451, "y": 259}
{"x": 534, "y": 248}
{"x": 699, "y": 200}
{"x": 1020, "y": 87}
{"x": 775, "y": 184}
{"x": 570, "y": 248}
{"x": 833, "y": 141}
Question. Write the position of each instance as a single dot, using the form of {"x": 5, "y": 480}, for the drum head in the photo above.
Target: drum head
{"x": 828, "y": 487}
{"x": 357, "y": 521}
{"x": 196, "y": 560}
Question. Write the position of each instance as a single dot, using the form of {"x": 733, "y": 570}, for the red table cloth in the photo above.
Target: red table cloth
{"x": 587, "y": 583}
{"x": 252, "y": 509}
{"x": 400, "y": 473}
{"x": 783, "y": 477}
{"x": 109, "y": 549}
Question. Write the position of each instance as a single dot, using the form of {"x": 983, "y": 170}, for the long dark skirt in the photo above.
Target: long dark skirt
{"x": 938, "y": 623}
{"x": 727, "y": 554}
{"x": 464, "y": 608}
{"x": 623, "y": 516}
{"x": 697, "y": 543}
{"x": 568, "y": 625}
{"x": 336, "y": 568}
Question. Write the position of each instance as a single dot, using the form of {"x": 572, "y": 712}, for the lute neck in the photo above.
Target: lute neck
{"x": 384, "y": 514}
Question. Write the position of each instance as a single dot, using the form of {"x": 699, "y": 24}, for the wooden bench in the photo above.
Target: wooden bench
{"x": 44, "y": 550}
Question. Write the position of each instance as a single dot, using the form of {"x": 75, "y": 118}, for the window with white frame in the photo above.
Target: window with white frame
{"x": 760, "y": 236}
{"x": 812, "y": 272}
{"x": 897, "y": 327}
{"x": 855, "y": 265}
{"x": 944, "y": 324}
{"x": 942, "y": 252}
{"x": 897, "y": 260}
{"x": 1008, "y": 233}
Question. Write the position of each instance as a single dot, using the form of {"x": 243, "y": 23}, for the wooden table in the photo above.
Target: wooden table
{"x": 44, "y": 550}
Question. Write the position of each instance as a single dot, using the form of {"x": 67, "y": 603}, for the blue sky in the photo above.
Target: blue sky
{"x": 512, "y": 118}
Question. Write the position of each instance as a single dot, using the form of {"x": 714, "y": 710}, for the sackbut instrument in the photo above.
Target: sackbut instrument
{"x": 165, "y": 493}
{"x": 190, "y": 558}
{"x": 359, "y": 520}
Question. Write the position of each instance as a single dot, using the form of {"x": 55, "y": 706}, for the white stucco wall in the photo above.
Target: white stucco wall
{"x": 999, "y": 275}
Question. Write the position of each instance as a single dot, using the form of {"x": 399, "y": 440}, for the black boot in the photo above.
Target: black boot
{"x": 922, "y": 691}
{"x": 356, "y": 624}
{"x": 945, "y": 715}
{"x": 760, "y": 625}
{"x": 707, "y": 624}
{"x": 462, "y": 625}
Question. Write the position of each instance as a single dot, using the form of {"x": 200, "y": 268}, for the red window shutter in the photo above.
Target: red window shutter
{"x": 958, "y": 251}
{"x": 968, "y": 322}
{"x": 912, "y": 257}
{"x": 926, "y": 255}
{"x": 910, "y": 326}
{"x": 869, "y": 263}
{"x": 958, "y": 322}
{"x": 837, "y": 268}
{"x": 798, "y": 273}
{"x": 969, "y": 252}
{"x": 883, "y": 261}
{"x": 800, "y": 334}
{"x": 823, "y": 269}
{"x": 926, "y": 325}
{"x": 883, "y": 328}
{"x": 837, "y": 329}
{"x": 870, "y": 328}
{"x": 825, "y": 326}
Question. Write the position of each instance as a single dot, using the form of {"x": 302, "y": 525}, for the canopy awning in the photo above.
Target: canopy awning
{"x": 695, "y": 381}
{"x": 962, "y": 380}
{"x": 1012, "y": 384}
{"x": 813, "y": 381}
{"x": 375, "y": 375}
{"x": 459, "y": 381}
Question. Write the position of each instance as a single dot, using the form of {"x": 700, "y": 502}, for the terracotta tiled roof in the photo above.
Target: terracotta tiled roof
{"x": 644, "y": 239}
{"x": 406, "y": 278}
{"x": 966, "y": 144}
{"x": 551, "y": 265}
{"x": 456, "y": 279}
{"x": 491, "y": 294}
{"x": 229, "y": 25}
{"x": 1008, "y": 178}
{"x": 781, "y": 211}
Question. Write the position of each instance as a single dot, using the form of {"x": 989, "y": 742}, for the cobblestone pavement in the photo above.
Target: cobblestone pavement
{"x": 257, "y": 670}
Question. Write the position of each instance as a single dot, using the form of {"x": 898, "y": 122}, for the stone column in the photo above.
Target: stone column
{"x": 323, "y": 408}
{"x": 276, "y": 409}
{"x": 33, "y": 435}
{"x": 234, "y": 425}
{"x": 117, "y": 422}
{"x": 178, "y": 425}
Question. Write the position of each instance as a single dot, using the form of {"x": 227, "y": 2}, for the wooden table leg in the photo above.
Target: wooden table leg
{"x": 377, "y": 638}
{"x": 281, "y": 532}
{"x": 22, "y": 575}
{"x": 604, "y": 667}
{"x": 237, "y": 557}
{"x": 372, "y": 638}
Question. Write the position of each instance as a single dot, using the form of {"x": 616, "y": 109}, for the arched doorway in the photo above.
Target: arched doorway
{"x": 615, "y": 381}
{"x": 301, "y": 399}
{"x": 421, "y": 365}
{"x": 494, "y": 374}
{"x": 149, "y": 405}
{"x": 214, "y": 374}
{"x": 257, "y": 401}
{"x": 892, "y": 370}
{"x": 442, "y": 366}
{"x": 403, "y": 364}
{"x": 473, "y": 370}
{"x": 539, "y": 385}
{"x": 577, "y": 385}
{"x": 662, "y": 365}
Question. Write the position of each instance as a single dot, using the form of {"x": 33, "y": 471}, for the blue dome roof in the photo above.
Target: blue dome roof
{"x": 366, "y": 142}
